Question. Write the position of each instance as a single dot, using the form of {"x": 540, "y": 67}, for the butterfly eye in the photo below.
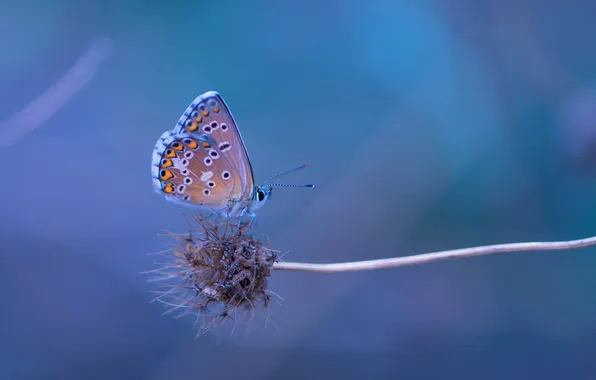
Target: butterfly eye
{"x": 206, "y": 192}
{"x": 189, "y": 155}
{"x": 224, "y": 127}
{"x": 225, "y": 174}
{"x": 207, "y": 129}
{"x": 184, "y": 162}
{"x": 187, "y": 180}
{"x": 211, "y": 184}
{"x": 181, "y": 189}
{"x": 186, "y": 198}
{"x": 214, "y": 124}
{"x": 207, "y": 161}
{"x": 260, "y": 195}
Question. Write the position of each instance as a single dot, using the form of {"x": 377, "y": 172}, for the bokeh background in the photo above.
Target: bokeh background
{"x": 429, "y": 125}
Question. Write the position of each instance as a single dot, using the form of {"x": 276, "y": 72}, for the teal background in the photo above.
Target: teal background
{"x": 429, "y": 125}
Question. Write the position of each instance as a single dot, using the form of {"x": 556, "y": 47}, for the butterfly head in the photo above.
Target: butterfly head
{"x": 261, "y": 195}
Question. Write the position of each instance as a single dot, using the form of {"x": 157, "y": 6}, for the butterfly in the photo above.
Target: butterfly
{"x": 203, "y": 162}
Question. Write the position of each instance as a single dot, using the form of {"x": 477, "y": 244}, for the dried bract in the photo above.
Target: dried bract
{"x": 214, "y": 272}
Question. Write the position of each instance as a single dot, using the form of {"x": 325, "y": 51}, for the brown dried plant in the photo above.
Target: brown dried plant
{"x": 214, "y": 272}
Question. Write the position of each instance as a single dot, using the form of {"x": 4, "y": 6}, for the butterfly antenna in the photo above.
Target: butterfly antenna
{"x": 287, "y": 185}
{"x": 286, "y": 172}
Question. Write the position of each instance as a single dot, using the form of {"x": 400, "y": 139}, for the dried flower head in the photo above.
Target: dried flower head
{"x": 214, "y": 272}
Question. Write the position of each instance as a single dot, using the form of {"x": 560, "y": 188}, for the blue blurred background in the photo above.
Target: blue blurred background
{"x": 429, "y": 126}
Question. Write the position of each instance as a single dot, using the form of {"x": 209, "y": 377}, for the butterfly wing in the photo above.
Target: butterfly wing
{"x": 183, "y": 171}
{"x": 203, "y": 161}
{"x": 208, "y": 115}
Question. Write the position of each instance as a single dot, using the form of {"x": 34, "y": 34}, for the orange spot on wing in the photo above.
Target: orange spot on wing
{"x": 176, "y": 145}
{"x": 169, "y": 153}
{"x": 166, "y": 163}
{"x": 216, "y": 110}
{"x": 192, "y": 144}
{"x": 168, "y": 188}
{"x": 206, "y": 112}
{"x": 199, "y": 119}
{"x": 193, "y": 127}
{"x": 205, "y": 144}
{"x": 165, "y": 174}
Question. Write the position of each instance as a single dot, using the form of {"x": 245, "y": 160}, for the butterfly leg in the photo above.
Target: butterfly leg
{"x": 252, "y": 217}
{"x": 250, "y": 214}
{"x": 242, "y": 212}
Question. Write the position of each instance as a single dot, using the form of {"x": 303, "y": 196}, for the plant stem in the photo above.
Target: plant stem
{"x": 435, "y": 256}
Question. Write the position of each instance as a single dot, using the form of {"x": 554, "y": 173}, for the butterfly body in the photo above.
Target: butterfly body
{"x": 203, "y": 161}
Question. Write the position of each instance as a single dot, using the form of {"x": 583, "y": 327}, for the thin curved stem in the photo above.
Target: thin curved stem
{"x": 435, "y": 256}
{"x": 54, "y": 98}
